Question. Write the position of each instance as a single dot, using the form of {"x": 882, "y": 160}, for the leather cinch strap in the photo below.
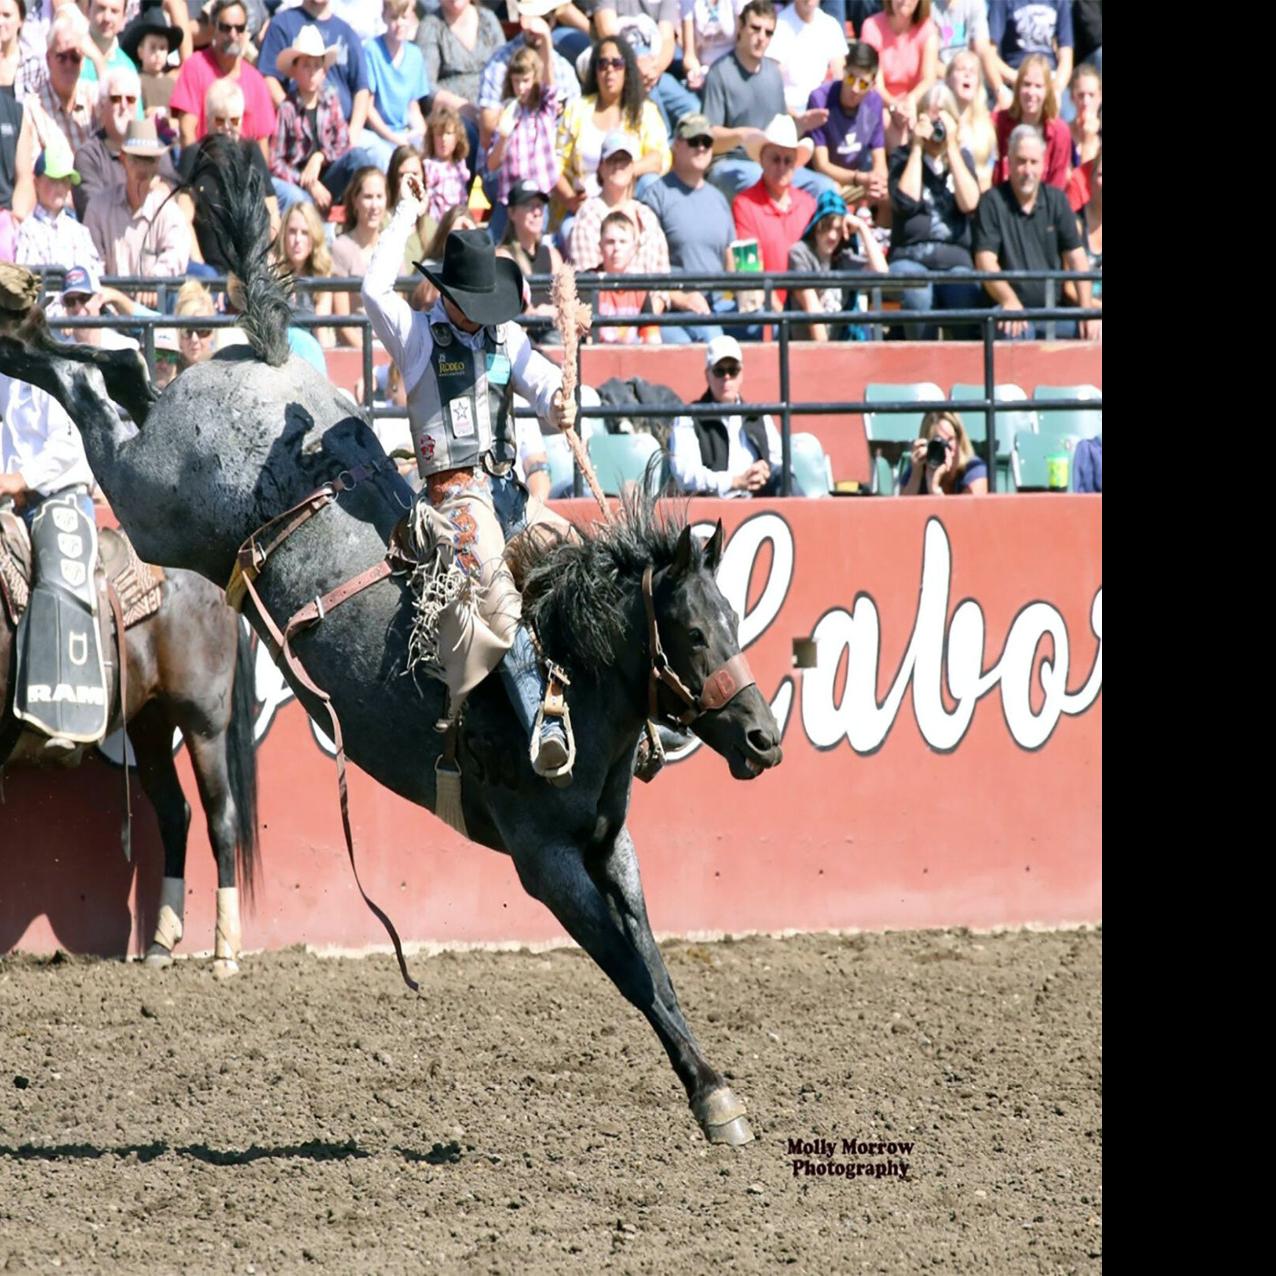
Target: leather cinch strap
{"x": 252, "y": 558}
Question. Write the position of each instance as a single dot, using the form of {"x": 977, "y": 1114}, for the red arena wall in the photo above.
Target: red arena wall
{"x": 942, "y": 763}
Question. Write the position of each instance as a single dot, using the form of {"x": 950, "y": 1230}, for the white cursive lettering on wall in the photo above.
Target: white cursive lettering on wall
{"x": 939, "y": 648}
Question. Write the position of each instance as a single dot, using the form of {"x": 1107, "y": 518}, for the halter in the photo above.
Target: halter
{"x": 720, "y": 687}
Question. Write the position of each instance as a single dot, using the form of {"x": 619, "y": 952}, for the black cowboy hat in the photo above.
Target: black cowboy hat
{"x": 486, "y": 288}
{"x": 151, "y": 21}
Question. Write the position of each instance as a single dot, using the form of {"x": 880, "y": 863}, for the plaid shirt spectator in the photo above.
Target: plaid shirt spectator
{"x": 531, "y": 153}
{"x": 492, "y": 83}
{"x": 294, "y": 138}
{"x": 77, "y": 124}
{"x": 652, "y": 257}
{"x": 56, "y": 241}
{"x": 446, "y": 185}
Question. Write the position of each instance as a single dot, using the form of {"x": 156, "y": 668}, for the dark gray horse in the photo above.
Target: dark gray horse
{"x": 237, "y": 440}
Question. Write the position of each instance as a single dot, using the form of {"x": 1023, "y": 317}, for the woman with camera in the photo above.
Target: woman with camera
{"x": 934, "y": 193}
{"x": 943, "y": 461}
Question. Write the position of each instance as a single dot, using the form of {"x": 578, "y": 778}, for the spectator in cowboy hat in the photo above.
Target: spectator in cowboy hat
{"x": 224, "y": 57}
{"x": 774, "y": 211}
{"x": 149, "y": 40}
{"x": 138, "y": 229}
{"x": 98, "y": 161}
{"x": 732, "y": 455}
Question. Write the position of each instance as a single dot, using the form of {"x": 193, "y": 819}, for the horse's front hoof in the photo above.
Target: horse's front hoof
{"x": 158, "y": 957}
{"x": 225, "y": 968}
{"x": 721, "y": 1116}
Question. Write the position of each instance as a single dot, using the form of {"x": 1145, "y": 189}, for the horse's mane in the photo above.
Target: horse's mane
{"x": 235, "y": 203}
{"x": 574, "y": 591}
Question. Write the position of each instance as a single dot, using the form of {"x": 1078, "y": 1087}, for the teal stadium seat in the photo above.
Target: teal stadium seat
{"x": 1009, "y": 422}
{"x": 1085, "y": 423}
{"x": 1028, "y": 467}
{"x": 812, "y": 470}
{"x": 619, "y": 459}
{"x": 897, "y": 427}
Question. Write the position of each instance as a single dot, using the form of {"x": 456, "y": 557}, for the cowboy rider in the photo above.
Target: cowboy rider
{"x": 461, "y": 362}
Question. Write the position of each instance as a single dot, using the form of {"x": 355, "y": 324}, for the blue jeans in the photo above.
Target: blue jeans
{"x": 836, "y": 9}
{"x": 336, "y": 177}
{"x": 569, "y": 43}
{"x": 82, "y": 499}
{"x": 926, "y": 297}
{"x": 1064, "y": 330}
{"x": 731, "y": 175}
{"x": 674, "y": 100}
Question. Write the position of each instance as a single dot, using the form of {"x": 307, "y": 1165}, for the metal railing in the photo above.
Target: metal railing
{"x": 877, "y": 318}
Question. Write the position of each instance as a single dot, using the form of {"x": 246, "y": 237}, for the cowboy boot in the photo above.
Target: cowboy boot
{"x": 551, "y": 750}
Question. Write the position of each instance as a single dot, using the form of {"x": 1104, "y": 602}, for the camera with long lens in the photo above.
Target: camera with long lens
{"x": 938, "y": 133}
{"x": 936, "y": 452}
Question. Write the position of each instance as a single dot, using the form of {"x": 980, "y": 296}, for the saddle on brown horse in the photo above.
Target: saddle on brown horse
{"x": 126, "y": 589}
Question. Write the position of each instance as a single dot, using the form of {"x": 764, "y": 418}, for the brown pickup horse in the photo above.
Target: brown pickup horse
{"x": 189, "y": 666}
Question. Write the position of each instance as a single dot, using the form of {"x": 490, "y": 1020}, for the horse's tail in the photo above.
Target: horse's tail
{"x": 240, "y": 226}
{"x": 241, "y": 760}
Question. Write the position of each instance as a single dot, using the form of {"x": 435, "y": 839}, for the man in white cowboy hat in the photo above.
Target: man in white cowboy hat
{"x": 775, "y": 211}
{"x": 461, "y": 362}
{"x": 224, "y": 56}
{"x": 137, "y": 229}
{"x": 51, "y": 236}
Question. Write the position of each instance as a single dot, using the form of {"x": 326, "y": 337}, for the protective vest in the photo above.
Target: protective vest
{"x": 458, "y": 408}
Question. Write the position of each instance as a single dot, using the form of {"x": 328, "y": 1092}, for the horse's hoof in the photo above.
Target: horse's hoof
{"x": 721, "y": 1116}
{"x": 158, "y": 957}
{"x": 225, "y": 968}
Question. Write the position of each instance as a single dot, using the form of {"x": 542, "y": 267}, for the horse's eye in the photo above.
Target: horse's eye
{"x": 696, "y": 637}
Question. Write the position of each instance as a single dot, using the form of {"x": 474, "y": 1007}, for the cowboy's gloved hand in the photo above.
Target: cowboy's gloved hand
{"x": 562, "y": 412}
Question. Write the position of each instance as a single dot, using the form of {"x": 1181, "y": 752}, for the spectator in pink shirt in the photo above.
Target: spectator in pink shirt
{"x": 907, "y": 43}
{"x": 223, "y": 57}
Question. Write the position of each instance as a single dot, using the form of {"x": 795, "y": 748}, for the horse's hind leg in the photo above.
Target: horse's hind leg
{"x": 598, "y": 899}
{"x": 151, "y": 732}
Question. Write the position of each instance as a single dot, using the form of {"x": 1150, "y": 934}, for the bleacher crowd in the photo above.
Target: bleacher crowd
{"x": 626, "y": 136}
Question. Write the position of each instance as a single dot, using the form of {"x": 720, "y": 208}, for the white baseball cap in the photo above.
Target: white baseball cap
{"x": 720, "y": 348}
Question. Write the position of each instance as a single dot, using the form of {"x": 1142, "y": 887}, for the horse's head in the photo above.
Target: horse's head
{"x": 702, "y": 677}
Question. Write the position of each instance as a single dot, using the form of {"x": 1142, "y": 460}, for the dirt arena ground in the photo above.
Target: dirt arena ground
{"x": 313, "y": 1116}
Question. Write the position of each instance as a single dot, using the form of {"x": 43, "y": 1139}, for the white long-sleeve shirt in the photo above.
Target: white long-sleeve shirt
{"x": 694, "y": 476}
{"x": 38, "y": 439}
{"x": 406, "y": 334}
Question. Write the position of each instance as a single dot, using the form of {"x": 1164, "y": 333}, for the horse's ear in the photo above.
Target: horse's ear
{"x": 713, "y": 549}
{"x": 682, "y": 555}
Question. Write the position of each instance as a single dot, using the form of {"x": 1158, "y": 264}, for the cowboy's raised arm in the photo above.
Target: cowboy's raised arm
{"x": 403, "y": 331}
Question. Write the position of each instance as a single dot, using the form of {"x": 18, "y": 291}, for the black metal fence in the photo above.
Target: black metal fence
{"x": 986, "y": 320}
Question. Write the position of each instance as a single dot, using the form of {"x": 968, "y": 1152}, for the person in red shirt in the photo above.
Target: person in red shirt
{"x": 223, "y": 57}
{"x": 774, "y": 211}
{"x": 1035, "y": 103}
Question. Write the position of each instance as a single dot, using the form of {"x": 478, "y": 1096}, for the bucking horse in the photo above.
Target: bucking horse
{"x": 252, "y": 464}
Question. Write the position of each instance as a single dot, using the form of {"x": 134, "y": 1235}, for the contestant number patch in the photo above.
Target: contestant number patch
{"x": 462, "y": 412}
{"x": 498, "y": 369}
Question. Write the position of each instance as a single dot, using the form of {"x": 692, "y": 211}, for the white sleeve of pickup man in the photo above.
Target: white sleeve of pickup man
{"x": 404, "y": 332}
{"x": 535, "y": 377}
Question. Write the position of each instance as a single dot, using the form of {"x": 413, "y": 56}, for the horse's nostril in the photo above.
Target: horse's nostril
{"x": 760, "y": 740}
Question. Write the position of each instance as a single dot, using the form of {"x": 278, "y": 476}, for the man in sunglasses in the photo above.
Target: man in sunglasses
{"x": 56, "y": 96}
{"x": 98, "y": 161}
{"x": 698, "y": 226}
{"x": 850, "y": 146}
{"x": 732, "y": 455}
{"x": 223, "y": 58}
